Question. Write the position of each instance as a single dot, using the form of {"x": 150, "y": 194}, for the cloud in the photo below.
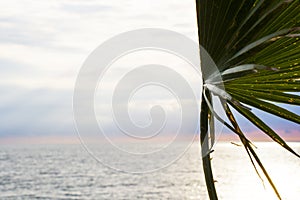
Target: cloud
{"x": 86, "y": 8}
{"x": 35, "y": 112}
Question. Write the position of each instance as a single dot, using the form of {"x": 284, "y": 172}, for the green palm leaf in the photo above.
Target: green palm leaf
{"x": 256, "y": 47}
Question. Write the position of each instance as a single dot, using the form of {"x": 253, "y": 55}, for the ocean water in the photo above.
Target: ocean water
{"x": 69, "y": 172}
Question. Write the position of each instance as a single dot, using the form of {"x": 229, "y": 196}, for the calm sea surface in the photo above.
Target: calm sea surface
{"x": 68, "y": 172}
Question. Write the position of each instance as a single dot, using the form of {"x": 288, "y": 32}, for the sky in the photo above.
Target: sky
{"x": 43, "y": 45}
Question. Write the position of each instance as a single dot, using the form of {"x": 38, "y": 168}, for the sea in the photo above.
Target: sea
{"x": 70, "y": 172}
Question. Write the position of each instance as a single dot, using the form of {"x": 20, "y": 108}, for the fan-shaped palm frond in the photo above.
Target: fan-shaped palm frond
{"x": 255, "y": 45}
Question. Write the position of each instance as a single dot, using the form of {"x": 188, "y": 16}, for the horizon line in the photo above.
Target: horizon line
{"x": 75, "y": 139}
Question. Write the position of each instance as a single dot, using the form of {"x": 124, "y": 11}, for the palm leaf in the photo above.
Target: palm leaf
{"x": 256, "y": 47}
{"x": 250, "y": 151}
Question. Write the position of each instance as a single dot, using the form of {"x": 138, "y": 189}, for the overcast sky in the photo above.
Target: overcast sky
{"x": 44, "y": 43}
